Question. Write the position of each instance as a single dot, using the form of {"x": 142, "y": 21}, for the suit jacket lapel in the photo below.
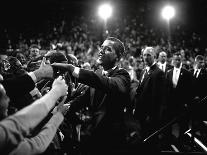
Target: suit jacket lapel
{"x": 171, "y": 75}
{"x": 92, "y": 92}
{"x": 180, "y": 76}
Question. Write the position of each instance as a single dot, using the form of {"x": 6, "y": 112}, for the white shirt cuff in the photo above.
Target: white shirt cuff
{"x": 32, "y": 75}
{"x": 76, "y": 72}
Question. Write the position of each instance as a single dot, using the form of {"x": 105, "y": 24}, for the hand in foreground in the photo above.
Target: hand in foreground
{"x": 49, "y": 53}
{"x": 44, "y": 71}
{"x": 61, "y": 107}
{"x": 63, "y": 67}
{"x": 60, "y": 85}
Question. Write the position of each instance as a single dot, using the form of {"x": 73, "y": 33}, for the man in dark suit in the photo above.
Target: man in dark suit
{"x": 179, "y": 93}
{"x": 106, "y": 98}
{"x": 149, "y": 97}
{"x": 199, "y": 78}
{"x": 199, "y": 93}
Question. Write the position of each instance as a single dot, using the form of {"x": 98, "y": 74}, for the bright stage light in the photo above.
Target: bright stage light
{"x": 105, "y": 11}
{"x": 168, "y": 12}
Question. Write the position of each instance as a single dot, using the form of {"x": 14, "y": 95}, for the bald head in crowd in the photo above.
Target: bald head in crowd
{"x": 162, "y": 57}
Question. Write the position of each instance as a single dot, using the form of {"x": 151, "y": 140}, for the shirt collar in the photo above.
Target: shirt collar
{"x": 108, "y": 71}
{"x": 148, "y": 67}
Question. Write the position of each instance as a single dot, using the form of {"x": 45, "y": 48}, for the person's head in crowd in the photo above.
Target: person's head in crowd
{"x": 57, "y": 57}
{"x": 126, "y": 65}
{"x": 149, "y": 56}
{"x": 15, "y": 66}
{"x": 162, "y": 57}
{"x": 4, "y": 103}
{"x": 86, "y": 65}
{"x": 21, "y": 57}
{"x": 72, "y": 59}
{"x": 14, "y": 62}
{"x": 177, "y": 60}
{"x": 132, "y": 61}
{"x": 34, "y": 51}
{"x": 1, "y": 78}
{"x": 199, "y": 61}
{"x": 3, "y": 57}
{"x": 111, "y": 52}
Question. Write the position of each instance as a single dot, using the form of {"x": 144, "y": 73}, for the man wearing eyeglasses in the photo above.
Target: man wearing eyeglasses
{"x": 106, "y": 98}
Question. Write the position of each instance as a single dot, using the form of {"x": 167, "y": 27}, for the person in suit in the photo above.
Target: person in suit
{"x": 149, "y": 97}
{"x": 200, "y": 78}
{"x": 106, "y": 98}
{"x": 199, "y": 93}
{"x": 179, "y": 93}
{"x": 162, "y": 62}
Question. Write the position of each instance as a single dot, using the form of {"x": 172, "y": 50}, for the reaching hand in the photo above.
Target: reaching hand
{"x": 44, "y": 71}
{"x": 63, "y": 67}
{"x": 63, "y": 108}
{"x": 49, "y": 53}
{"x": 60, "y": 85}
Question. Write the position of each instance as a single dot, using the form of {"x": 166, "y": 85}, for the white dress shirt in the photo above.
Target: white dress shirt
{"x": 176, "y": 74}
{"x": 162, "y": 66}
{"x": 198, "y": 71}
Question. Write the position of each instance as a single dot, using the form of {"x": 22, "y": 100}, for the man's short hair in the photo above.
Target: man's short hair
{"x": 163, "y": 53}
{"x": 199, "y": 57}
{"x": 72, "y": 59}
{"x": 34, "y": 46}
{"x": 57, "y": 57}
{"x": 151, "y": 49}
{"x": 177, "y": 54}
{"x": 118, "y": 46}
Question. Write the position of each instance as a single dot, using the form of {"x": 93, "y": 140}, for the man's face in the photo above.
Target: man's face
{"x": 200, "y": 63}
{"x": 148, "y": 57}
{"x": 162, "y": 57}
{"x": 107, "y": 54}
{"x": 177, "y": 61}
{"x": 21, "y": 58}
{"x": 34, "y": 52}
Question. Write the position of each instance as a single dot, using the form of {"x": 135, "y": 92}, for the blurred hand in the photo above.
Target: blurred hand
{"x": 45, "y": 90}
{"x": 60, "y": 85}
{"x": 63, "y": 67}
{"x": 61, "y": 107}
{"x": 49, "y": 53}
{"x": 44, "y": 71}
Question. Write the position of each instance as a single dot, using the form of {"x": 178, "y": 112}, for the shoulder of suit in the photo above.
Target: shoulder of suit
{"x": 169, "y": 70}
{"x": 121, "y": 69}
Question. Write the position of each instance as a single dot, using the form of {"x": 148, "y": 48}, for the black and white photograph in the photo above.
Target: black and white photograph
{"x": 100, "y": 77}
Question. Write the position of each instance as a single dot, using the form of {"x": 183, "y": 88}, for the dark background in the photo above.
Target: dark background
{"x": 33, "y": 15}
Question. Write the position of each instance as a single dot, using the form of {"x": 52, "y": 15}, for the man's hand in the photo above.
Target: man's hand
{"x": 44, "y": 71}
{"x": 63, "y": 67}
{"x": 49, "y": 53}
{"x": 60, "y": 86}
{"x": 61, "y": 107}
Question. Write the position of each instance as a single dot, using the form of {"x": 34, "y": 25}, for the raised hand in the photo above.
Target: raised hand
{"x": 63, "y": 67}
{"x": 61, "y": 107}
{"x": 60, "y": 86}
{"x": 44, "y": 71}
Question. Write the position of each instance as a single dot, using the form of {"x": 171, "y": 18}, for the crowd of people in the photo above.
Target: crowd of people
{"x": 73, "y": 91}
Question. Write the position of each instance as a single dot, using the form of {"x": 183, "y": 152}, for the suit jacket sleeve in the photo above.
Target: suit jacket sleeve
{"x": 39, "y": 143}
{"x": 119, "y": 82}
{"x": 19, "y": 86}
